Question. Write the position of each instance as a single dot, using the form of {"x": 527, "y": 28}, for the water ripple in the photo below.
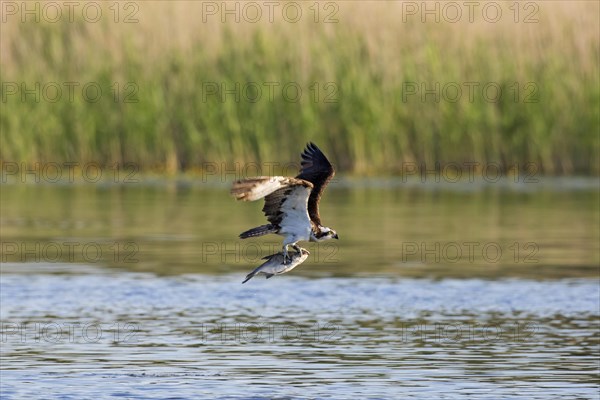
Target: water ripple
{"x": 136, "y": 335}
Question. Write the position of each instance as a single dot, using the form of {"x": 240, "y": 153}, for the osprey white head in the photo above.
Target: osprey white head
{"x": 323, "y": 233}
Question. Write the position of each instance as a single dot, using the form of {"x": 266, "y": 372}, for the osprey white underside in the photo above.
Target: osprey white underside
{"x": 295, "y": 224}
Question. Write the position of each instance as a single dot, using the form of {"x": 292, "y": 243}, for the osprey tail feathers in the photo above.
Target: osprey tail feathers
{"x": 258, "y": 231}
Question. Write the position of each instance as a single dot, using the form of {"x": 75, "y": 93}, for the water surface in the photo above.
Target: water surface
{"x": 135, "y": 291}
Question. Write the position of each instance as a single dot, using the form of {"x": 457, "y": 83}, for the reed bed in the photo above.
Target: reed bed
{"x": 181, "y": 89}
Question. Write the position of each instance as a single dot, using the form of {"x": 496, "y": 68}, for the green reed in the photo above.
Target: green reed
{"x": 232, "y": 94}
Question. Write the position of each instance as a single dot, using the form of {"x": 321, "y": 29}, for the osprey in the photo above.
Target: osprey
{"x": 291, "y": 204}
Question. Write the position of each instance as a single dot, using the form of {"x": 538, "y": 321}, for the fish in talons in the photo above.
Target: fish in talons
{"x": 276, "y": 264}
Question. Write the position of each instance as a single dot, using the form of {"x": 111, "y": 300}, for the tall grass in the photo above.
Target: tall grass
{"x": 362, "y": 113}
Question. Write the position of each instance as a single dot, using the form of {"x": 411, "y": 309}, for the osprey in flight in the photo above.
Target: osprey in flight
{"x": 291, "y": 204}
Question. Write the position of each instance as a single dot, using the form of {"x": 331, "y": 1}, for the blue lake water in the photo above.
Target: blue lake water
{"x": 389, "y": 311}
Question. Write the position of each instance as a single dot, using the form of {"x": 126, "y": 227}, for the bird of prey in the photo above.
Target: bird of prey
{"x": 275, "y": 264}
{"x": 291, "y": 204}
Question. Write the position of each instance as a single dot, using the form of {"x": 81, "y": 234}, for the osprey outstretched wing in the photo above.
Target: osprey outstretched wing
{"x": 317, "y": 170}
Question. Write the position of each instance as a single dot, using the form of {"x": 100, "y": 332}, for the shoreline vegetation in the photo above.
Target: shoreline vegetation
{"x": 378, "y": 90}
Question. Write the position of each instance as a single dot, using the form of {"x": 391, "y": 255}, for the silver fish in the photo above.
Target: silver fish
{"x": 275, "y": 265}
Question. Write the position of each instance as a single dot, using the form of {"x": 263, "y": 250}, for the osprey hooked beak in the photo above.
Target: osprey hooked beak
{"x": 332, "y": 234}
